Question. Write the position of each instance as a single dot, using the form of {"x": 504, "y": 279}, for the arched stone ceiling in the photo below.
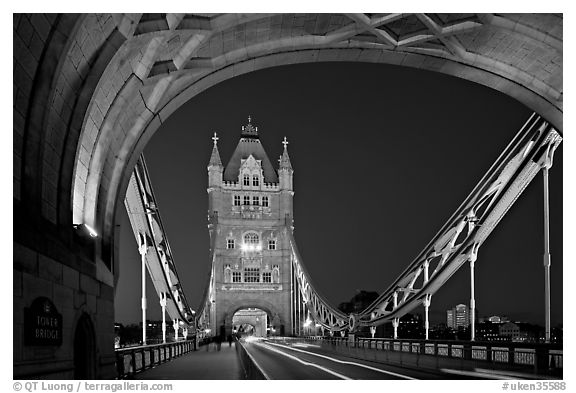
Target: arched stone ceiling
{"x": 90, "y": 90}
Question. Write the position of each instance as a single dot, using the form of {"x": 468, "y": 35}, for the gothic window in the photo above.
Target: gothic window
{"x": 246, "y": 200}
{"x": 251, "y": 238}
{"x": 255, "y": 181}
{"x": 230, "y": 243}
{"x": 246, "y": 180}
{"x": 236, "y": 276}
{"x": 236, "y": 200}
{"x": 267, "y": 277}
{"x": 256, "y": 200}
{"x": 272, "y": 244}
{"x": 265, "y": 201}
{"x": 251, "y": 274}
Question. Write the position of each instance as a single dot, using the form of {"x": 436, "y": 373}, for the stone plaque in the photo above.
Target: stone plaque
{"x": 42, "y": 323}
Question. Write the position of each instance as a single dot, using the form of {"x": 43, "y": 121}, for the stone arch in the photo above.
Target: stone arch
{"x": 261, "y": 304}
{"x": 118, "y": 77}
{"x": 156, "y": 93}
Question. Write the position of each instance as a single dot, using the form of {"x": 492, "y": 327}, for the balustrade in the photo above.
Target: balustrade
{"x": 542, "y": 359}
{"x": 132, "y": 360}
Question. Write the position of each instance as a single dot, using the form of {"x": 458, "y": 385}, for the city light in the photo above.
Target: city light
{"x": 91, "y": 230}
{"x": 245, "y": 247}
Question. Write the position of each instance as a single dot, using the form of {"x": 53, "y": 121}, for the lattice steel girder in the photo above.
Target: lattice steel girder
{"x": 459, "y": 239}
{"x": 146, "y": 223}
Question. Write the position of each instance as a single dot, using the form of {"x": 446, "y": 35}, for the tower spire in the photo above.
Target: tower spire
{"x": 215, "y": 157}
{"x": 285, "y": 159}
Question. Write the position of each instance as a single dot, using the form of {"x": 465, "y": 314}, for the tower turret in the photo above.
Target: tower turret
{"x": 285, "y": 173}
{"x": 285, "y": 170}
{"x": 215, "y": 168}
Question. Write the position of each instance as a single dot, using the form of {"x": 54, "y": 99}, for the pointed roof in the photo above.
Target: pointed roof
{"x": 215, "y": 157}
{"x": 249, "y": 144}
{"x": 285, "y": 158}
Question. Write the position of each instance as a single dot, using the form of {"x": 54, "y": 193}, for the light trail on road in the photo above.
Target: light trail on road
{"x": 267, "y": 346}
{"x": 344, "y": 361}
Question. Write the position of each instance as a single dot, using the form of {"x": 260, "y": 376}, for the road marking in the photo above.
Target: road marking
{"x": 346, "y": 362}
{"x": 300, "y": 345}
{"x": 473, "y": 374}
{"x": 512, "y": 374}
{"x": 302, "y": 361}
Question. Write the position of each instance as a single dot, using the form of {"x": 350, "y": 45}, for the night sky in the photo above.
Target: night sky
{"x": 383, "y": 155}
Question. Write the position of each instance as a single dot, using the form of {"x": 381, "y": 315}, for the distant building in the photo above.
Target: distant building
{"x": 489, "y": 331}
{"x": 411, "y": 326}
{"x": 520, "y": 331}
{"x": 458, "y": 317}
{"x": 498, "y": 319}
{"x": 441, "y": 331}
{"x": 450, "y": 319}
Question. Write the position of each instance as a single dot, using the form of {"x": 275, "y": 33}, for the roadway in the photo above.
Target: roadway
{"x": 285, "y": 359}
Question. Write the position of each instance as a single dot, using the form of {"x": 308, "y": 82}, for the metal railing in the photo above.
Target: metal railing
{"x": 132, "y": 360}
{"x": 539, "y": 359}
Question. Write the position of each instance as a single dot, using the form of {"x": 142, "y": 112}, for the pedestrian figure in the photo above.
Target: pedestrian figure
{"x": 218, "y": 342}
{"x": 229, "y": 340}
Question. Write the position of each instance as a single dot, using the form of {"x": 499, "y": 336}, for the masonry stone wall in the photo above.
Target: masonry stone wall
{"x": 73, "y": 293}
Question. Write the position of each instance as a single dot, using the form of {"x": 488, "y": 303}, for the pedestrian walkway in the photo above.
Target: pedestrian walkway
{"x": 205, "y": 363}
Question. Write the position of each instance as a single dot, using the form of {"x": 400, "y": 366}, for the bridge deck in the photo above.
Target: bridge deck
{"x": 202, "y": 364}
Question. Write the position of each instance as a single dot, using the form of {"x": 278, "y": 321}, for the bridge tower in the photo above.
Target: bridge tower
{"x": 250, "y": 207}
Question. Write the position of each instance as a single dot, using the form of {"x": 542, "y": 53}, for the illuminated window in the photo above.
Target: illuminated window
{"x": 267, "y": 277}
{"x": 256, "y": 200}
{"x": 271, "y": 244}
{"x": 255, "y": 181}
{"x": 236, "y": 276}
{"x": 265, "y": 201}
{"x": 230, "y": 243}
{"x": 236, "y": 200}
{"x": 246, "y": 180}
{"x": 246, "y": 200}
{"x": 251, "y": 274}
{"x": 251, "y": 238}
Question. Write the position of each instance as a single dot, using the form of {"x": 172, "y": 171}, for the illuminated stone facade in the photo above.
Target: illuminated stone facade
{"x": 250, "y": 204}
